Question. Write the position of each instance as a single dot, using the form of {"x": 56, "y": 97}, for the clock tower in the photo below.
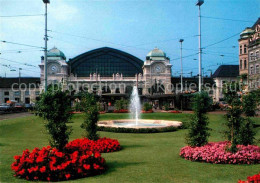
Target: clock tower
{"x": 157, "y": 73}
{"x": 57, "y": 67}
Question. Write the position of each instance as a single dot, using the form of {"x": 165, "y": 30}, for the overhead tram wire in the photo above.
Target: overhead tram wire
{"x": 221, "y": 41}
{"x": 228, "y": 19}
{"x": 21, "y": 44}
{"x": 11, "y": 16}
{"x": 26, "y": 64}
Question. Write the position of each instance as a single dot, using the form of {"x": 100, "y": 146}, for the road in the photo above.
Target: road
{"x": 14, "y": 115}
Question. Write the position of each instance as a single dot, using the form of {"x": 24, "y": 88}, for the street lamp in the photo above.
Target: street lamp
{"x": 181, "y": 40}
{"x": 45, "y": 48}
{"x": 199, "y": 3}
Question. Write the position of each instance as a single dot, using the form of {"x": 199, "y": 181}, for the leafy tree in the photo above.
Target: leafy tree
{"x": 250, "y": 104}
{"x": 198, "y": 129}
{"x": 55, "y": 106}
{"x": 147, "y": 107}
{"x": 247, "y": 132}
{"x": 121, "y": 104}
{"x": 234, "y": 111}
{"x": 91, "y": 116}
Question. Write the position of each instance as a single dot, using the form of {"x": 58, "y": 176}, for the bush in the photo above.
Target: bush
{"x": 55, "y": 107}
{"x": 121, "y": 104}
{"x": 91, "y": 117}
{"x": 50, "y": 164}
{"x": 166, "y": 107}
{"x": 253, "y": 179}
{"x": 250, "y": 104}
{"x": 234, "y": 111}
{"x": 138, "y": 130}
{"x": 198, "y": 131}
{"x": 102, "y": 145}
{"x": 147, "y": 107}
{"x": 247, "y": 132}
{"x": 215, "y": 152}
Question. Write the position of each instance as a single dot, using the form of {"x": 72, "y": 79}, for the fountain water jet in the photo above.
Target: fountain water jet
{"x": 135, "y": 105}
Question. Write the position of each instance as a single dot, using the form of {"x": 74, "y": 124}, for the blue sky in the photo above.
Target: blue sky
{"x": 134, "y": 26}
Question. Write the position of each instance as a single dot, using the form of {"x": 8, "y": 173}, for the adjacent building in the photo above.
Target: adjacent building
{"x": 28, "y": 92}
{"x": 224, "y": 74}
{"x": 249, "y": 60}
{"x": 254, "y": 57}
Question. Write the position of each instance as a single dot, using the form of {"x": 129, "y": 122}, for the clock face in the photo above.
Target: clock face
{"x": 158, "y": 68}
{"x": 53, "y": 68}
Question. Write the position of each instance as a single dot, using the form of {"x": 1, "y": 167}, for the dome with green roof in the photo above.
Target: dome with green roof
{"x": 55, "y": 52}
{"x": 246, "y": 33}
{"x": 156, "y": 53}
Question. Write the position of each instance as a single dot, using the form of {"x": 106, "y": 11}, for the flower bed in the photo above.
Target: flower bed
{"x": 101, "y": 145}
{"x": 121, "y": 111}
{"x": 149, "y": 111}
{"x": 102, "y": 112}
{"x": 251, "y": 179}
{"x": 174, "y": 111}
{"x": 215, "y": 152}
{"x": 49, "y": 164}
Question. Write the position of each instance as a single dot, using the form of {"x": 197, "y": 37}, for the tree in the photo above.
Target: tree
{"x": 234, "y": 111}
{"x": 55, "y": 106}
{"x": 91, "y": 116}
{"x": 198, "y": 129}
{"x": 247, "y": 132}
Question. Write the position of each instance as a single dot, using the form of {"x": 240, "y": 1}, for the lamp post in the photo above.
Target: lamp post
{"x": 199, "y": 3}
{"x": 181, "y": 40}
{"x": 45, "y": 48}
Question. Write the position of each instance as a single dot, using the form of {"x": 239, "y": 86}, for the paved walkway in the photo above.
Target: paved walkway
{"x": 14, "y": 115}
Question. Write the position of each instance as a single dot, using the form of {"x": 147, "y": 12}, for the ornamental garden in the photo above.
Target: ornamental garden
{"x": 57, "y": 144}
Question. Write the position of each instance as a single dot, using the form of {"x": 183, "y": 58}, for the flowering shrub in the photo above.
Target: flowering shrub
{"x": 215, "y": 152}
{"x": 121, "y": 111}
{"x": 101, "y": 145}
{"x": 174, "y": 111}
{"x": 149, "y": 111}
{"x": 50, "y": 164}
{"x": 251, "y": 179}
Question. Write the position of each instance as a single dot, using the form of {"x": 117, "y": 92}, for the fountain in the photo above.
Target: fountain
{"x": 135, "y": 122}
{"x": 135, "y": 105}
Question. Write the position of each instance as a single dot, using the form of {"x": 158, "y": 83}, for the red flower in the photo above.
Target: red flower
{"x": 43, "y": 169}
{"x": 87, "y": 167}
{"x": 67, "y": 176}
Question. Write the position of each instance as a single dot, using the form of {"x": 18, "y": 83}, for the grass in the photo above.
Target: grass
{"x": 144, "y": 158}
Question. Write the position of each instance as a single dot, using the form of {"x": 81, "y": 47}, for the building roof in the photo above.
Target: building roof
{"x": 106, "y": 62}
{"x": 156, "y": 53}
{"x": 55, "y": 52}
{"x": 226, "y": 71}
{"x": 246, "y": 33}
{"x": 26, "y": 81}
{"x": 255, "y": 24}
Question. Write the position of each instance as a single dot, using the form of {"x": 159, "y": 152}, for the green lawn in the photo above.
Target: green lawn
{"x": 144, "y": 158}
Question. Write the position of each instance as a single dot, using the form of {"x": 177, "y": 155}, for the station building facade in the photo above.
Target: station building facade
{"x": 111, "y": 73}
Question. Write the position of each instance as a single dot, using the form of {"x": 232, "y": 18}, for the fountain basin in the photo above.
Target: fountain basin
{"x": 143, "y": 123}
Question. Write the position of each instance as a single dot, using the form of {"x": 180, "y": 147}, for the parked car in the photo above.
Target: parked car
{"x": 19, "y": 107}
{"x": 28, "y": 107}
{"x": 223, "y": 105}
{"x": 5, "y": 107}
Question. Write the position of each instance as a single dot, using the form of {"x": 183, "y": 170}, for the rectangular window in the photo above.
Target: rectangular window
{"x": 252, "y": 56}
{"x": 257, "y": 54}
{"x": 240, "y": 64}
{"x": 245, "y": 64}
{"x": 240, "y": 50}
{"x": 37, "y": 93}
{"x": 257, "y": 69}
{"x": 27, "y": 93}
{"x": 16, "y": 93}
{"x": 251, "y": 70}
{"x": 6, "y": 93}
{"x": 245, "y": 48}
